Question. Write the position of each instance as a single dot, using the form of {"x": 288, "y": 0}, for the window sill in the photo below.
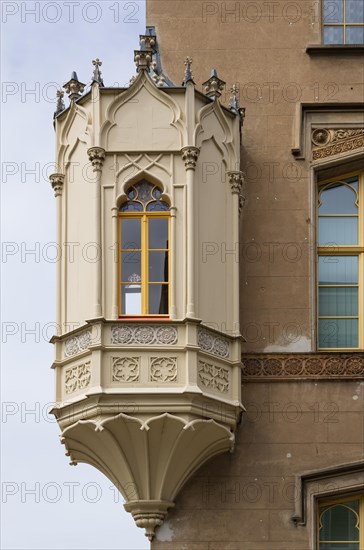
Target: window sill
{"x": 335, "y": 49}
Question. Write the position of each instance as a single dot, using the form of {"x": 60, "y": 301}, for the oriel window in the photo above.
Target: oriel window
{"x": 144, "y": 252}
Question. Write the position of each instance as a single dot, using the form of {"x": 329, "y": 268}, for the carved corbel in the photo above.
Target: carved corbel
{"x": 57, "y": 181}
{"x": 96, "y": 156}
{"x": 189, "y": 156}
{"x": 236, "y": 180}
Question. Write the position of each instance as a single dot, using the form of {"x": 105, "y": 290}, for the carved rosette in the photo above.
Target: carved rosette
{"x": 125, "y": 369}
{"x": 77, "y": 344}
{"x": 330, "y": 142}
{"x": 189, "y": 156}
{"x": 211, "y": 343}
{"x": 57, "y": 181}
{"x": 144, "y": 335}
{"x": 96, "y": 156}
{"x": 287, "y": 366}
{"x": 163, "y": 369}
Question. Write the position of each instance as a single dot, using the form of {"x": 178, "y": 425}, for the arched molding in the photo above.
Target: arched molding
{"x": 142, "y": 175}
{"x": 66, "y": 148}
{"x": 142, "y": 81}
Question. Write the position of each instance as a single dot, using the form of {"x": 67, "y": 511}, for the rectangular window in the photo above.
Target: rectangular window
{"x": 343, "y": 21}
{"x": 340, "y": 524}
{"x": 340, "y": 265}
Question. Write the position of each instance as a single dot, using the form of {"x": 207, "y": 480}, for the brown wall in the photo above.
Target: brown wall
{"x": 246, "y": 500}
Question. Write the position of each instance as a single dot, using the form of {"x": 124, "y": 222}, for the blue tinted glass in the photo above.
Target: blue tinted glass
{"x": 131, "y": 207}
{"x": 338, "y": 301}
{"x": 338, "y": 199}
{"x": 338, "y": 231}
{"x": 333, "y": 11}
{"x": 333, "y": 35}
{"x": 338, "y": 333}
{"x": 355, "y": 11}
{"x": 144, "y": 190}
{"x": 338, "y": 270}
{"x": 355, "y": 35}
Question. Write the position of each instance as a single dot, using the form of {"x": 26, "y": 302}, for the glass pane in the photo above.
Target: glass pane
{"x": 355, "y": 11}
{"x": 355, "y": 35}
{"x": 339, "y": 522}
{"x": 130, "y": 234}
{"x": 158, "y": 233}
{"x": 131, "y": 267}
{"x": 338, "y": 270}
{"x": 144, "y": 190}
{"x": 338, "y": 199}
{"x": 131, "y": 207}
{"x": 131, "y": 299}
{"x": 333, "y": 11}
{"x": 339, "y": 546}
{"x": 337, "y": 231}
{"x": 158, "y": 267}
{"x": 338, "y": 301}
{"x": 333, "y": 35}
{"x": 158, "y": 299}
{"x": 158, "y": 206}
{"x": 338, "y": 333}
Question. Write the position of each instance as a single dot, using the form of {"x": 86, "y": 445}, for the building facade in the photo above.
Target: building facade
{"x": 211, "y": 357}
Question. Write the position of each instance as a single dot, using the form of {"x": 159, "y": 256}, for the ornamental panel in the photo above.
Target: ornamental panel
{"x": 163, "y": 369}
{"x": 77, "y": 344}
{"x": 213, "y": 344}
{"x": 329, "y": 142}
{"x": 144, "y": 335}
{"x": 78, "y": 377}
{"x": 213, "y": 377}
{"x": 125, "y": 369}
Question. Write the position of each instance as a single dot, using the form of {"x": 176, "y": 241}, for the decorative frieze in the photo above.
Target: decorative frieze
{"x": 125, "y": 369}
{"x": 213, "y": 377}
{"x": 281, "y": 366}
{"x": 144, "y": 335}
{"x": 163, "y": 369}
{"x": 216, "y": 345}
{"x": 78, "y": 377}
{"x": 329, "y": 142}
{"x": 77, "y": 344}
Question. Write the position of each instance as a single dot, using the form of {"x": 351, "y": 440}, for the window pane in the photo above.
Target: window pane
{"x": 131, "y": 299}
{"x": 158, "y": 233}
{"x": 158, "y": 267}
{"x": 333, "y": 35}
{"x": 130, "y": 267}
{"x": 339, "y": 522}
{"x": 144, "y": 190}
{"x": 338, "y": 333}
{"x": 355, "y": 11}
{"x": 338, "y": 301}
{"x": 355, "y": 35}
{"x": 130, "y": 233}
{"x": 131, "y": 207}
{"x": 337, "y": 231}
{"x": 338, "y": 199}
{"x": 340, "y": 546}
{"x": 158, "y": 299}
{"x": 334, "y": 11}
{"x": 338, "y": 270}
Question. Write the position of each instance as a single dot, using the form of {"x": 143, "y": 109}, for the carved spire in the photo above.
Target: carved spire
{"x": 96, "y": 156}
{"x": 189, "y": 156}
{"x": 57, "y": 181}
{"x": 74, "y": 88}
{"x": 60, "y": 106}
{"x": 234, "y": 102}
{"x": 214, "y": 85}
{"x": 96, "y": 77}
{"x": 188, "y": 73}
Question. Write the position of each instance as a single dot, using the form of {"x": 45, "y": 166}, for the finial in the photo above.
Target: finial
{"x": 147, "y": 41}
{"x": 74, "y": 87}
{"x": 214, "y": 85}
{"x": 188, "y": 73}
{"x": 96, "y": 77}
{"x": 60, "y": 106}
{"x": 234, "y": 102}
{"x": 142, "y": 59}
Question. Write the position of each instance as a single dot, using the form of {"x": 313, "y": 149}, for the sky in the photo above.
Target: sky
{"x": 46, "y": 503}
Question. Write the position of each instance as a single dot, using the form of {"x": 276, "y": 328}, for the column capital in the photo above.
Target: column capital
{"x": 236, "y": 180}
{"x": 189, "y": 156}
{"x": 57, "y": 181}
{"x": 96, "y": 156}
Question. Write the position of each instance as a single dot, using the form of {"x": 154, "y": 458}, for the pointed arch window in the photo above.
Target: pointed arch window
{"x": 340, "y": 524}
{"x": 144, "y": 226}
{"x": 341, "y": 263}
